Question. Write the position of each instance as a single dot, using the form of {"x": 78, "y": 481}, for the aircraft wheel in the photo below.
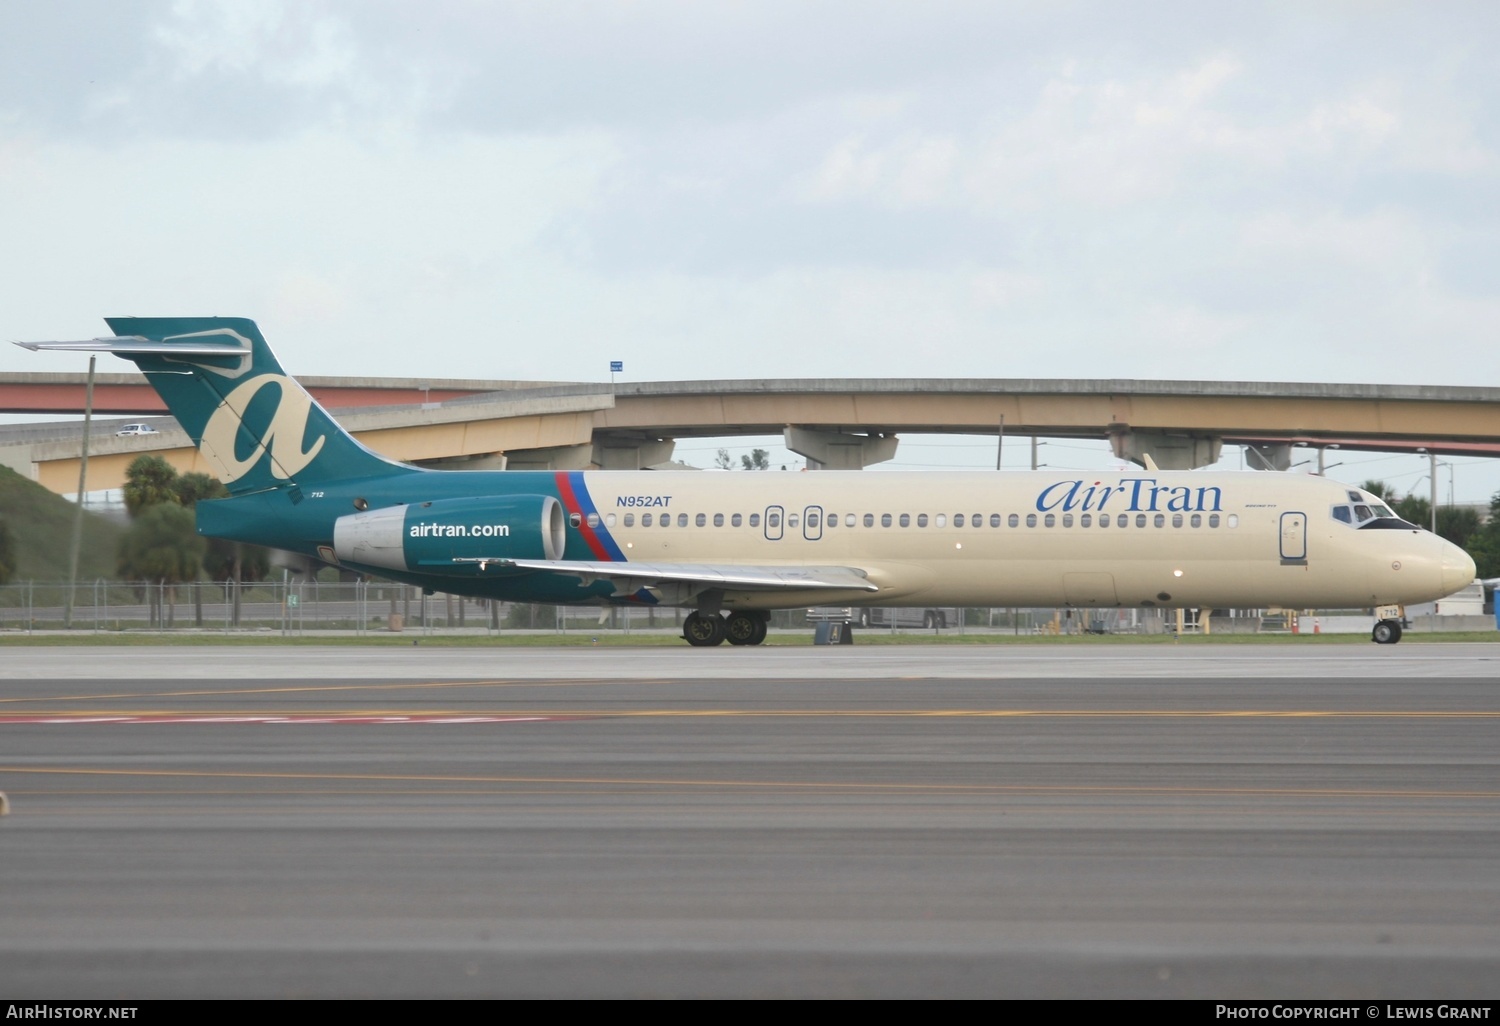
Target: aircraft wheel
{"x": 864, "y": 618}
{"x": 929, "y": 620}
{"x": 703, "y": 631}
{"x": 1386, "y": 632}
{"x": 761, "y": 627}
{"x": 741, "y": 629}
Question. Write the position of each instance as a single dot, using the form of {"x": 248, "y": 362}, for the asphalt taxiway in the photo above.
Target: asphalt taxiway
{"x": 1202, "y": 821}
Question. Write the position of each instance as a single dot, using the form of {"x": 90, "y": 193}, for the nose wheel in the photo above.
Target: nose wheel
{"x": 1386, "y": 632}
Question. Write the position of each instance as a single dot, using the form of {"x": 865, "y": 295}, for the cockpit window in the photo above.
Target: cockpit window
{"x": 1356, "y": 497}
{"x": 1370, "y": 513}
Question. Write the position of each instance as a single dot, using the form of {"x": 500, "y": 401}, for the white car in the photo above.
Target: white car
{"x": 136, "y": 429}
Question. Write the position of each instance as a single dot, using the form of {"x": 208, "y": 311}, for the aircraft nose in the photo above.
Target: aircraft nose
{"x": 1457, "y": 568}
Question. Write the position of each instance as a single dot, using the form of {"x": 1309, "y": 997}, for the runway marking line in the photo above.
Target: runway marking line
{"x": 749, "y": 785}
{"x": 448, "y": 716}
{"x": 406, "y": 685}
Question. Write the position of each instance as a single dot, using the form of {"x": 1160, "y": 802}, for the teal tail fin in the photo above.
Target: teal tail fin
{"x": 255, "y": 425}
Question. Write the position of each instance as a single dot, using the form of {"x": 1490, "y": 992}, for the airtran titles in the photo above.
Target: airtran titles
{"x": 1130, "y": 495}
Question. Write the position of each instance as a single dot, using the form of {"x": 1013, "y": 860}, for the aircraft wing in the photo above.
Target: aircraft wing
{"x": 740, "y": 578}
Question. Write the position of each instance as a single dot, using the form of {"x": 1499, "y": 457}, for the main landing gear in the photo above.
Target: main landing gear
{"x": 1386, "y": 632}
{"x": 743, "y": 627}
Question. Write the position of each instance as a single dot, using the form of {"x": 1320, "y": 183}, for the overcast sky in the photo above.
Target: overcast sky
{"x": 1172, "y": 190}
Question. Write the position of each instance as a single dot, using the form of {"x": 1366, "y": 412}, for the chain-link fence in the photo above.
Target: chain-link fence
{"x": 294, "y": 606}
{"x": 298, "y": 605}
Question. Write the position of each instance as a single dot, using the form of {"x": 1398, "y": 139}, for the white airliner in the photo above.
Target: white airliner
{"x": 731, "y": 547}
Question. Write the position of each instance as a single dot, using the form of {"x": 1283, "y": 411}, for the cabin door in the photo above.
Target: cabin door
{"x": 1294, "y": 539}
{"x": 774, "y": 517}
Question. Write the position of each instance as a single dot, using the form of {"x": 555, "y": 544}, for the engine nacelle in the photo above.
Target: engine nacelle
{"x": 431, "y": 535}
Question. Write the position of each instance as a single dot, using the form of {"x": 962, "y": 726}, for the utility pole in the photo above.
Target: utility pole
{"x": 1432, "y": 480}
{"x": 83, "y": 476}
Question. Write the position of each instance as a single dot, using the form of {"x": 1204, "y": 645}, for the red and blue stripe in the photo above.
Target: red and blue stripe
{"x": 574, "y": 495}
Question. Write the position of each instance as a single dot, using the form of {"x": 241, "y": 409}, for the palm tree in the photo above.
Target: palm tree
{"x": 149, "y": 481}
{"x": 162, "y": 546}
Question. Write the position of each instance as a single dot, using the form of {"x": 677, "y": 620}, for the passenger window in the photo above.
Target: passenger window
{"x": 1014, "y": 520}
{"x": 921, "y": 519}
{"x": 958, "y": 520}
{"x": 791, "y": 520}
{"x": 754, "y": 519}
{"x": 833, "y": 520}
{"x": 906, "y": 520}
{"x": 1197, "y": 520}
{"x": 610, "y": 520}
{"x": 1176, "y": 519}
{"x": 1103, "y": 519}
{"x": 848, "y": 519}
{"x": 735, "y": 520}
{"x": 885, "y": 520}
{"x": 870, "y": 520}
{"x": 629, "y": 519}
{"x": 1122, "y": 519}
{"x": 941, "y": 520}
{"x": 812, "y": 521}
{"x": 1031, "y": 520}
{"x": 1140, "y": 520}
{"x": 1233, "y": 520}
{"x": 701, "y": 520}
{"x": 1085, "y": 520}
{"x": 1213, "y": 520}
{"x": 575, "y": 519}
{"x": 1050, "y": 520}
{"x": 718, "y": 520}
{"x": 666, "y": 520}
{"x": 1067, "y": 520}
{"x": 645, "y": 520}
{"x": 593, "y": 520}
{"x": 682, "y": 519}
{"x": 773, "y": 520}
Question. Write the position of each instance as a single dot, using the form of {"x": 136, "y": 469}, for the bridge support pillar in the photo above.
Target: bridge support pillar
{"x": 613, "y": 452}
{"x": 1269, "y": 456}
{"x": 1170, "y": 452}
{"x": 835, "y": 450}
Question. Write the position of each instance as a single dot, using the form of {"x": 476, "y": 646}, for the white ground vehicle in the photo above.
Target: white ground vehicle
{"x": 881, "y": 616}
{"x": 135, "y": 429}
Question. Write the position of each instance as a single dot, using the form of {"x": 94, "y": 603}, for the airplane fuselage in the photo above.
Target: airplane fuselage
{"x": 922, "y": 538}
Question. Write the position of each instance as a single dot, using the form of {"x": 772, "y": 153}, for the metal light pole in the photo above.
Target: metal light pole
{"x": 83, "y": 476}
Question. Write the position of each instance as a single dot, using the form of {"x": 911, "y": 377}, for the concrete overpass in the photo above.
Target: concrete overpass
{"x": 843, "y": 423}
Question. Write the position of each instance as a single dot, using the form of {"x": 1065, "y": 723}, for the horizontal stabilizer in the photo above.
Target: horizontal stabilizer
{"x": 754, "y": 578}
{"x": 137, "y": 345}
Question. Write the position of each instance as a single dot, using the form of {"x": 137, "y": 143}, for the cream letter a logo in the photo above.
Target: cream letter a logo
{"x": 283, "y": 437}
